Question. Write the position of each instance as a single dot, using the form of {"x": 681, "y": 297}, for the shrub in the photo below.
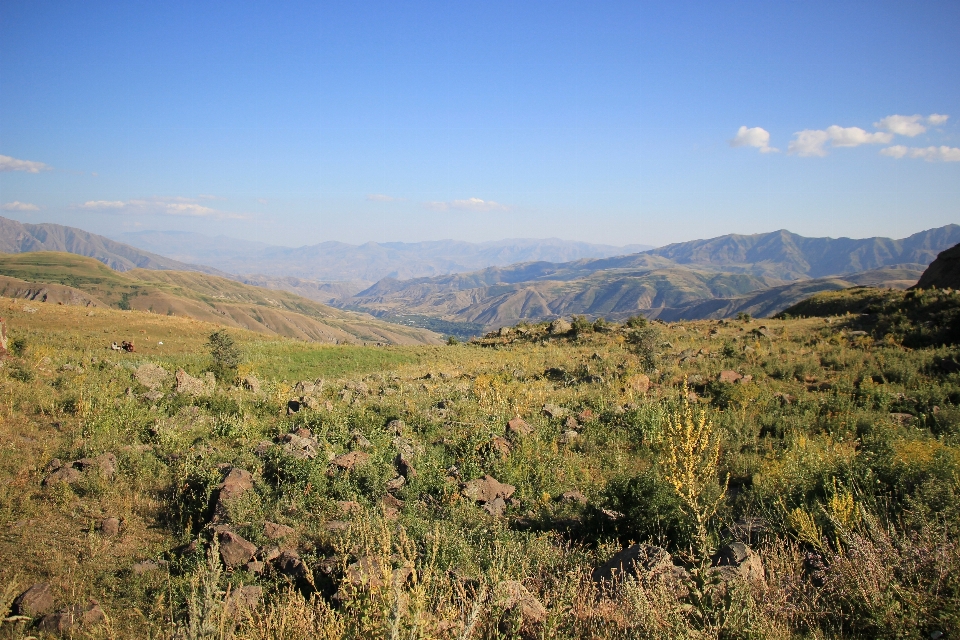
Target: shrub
{"x": 225, "y": 355}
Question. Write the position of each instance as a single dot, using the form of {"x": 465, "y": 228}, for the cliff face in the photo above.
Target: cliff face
{"x": 943, "y": 272}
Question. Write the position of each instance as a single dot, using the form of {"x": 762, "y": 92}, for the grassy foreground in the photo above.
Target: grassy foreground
{"x": 831, "y": 446}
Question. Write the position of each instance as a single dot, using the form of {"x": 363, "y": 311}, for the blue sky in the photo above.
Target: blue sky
{"x": 607, "y": 122}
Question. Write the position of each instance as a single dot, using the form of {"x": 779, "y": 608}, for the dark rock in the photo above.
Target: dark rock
{"x": 511, "y": 594}
{"x": 404, "y": 467}
{"x": 237, "y": 482}
{"x": 235, "y": 550}
{"x": 293, "y": 406}
{"x": 274, "y": 531}
{"x": 246, "y": 597}
{"x": 66, "y": 620}
{"x": 632, "y": 560}
{"x": 487, "y": 489}
{"x": 518, "y": 427}
{"x": 943, "y": 272}
{"x": 289, "y": 564}
{"x": 35, "y": 601}
{"x": 745, "y": 562}
{"x": 350, "y": 461}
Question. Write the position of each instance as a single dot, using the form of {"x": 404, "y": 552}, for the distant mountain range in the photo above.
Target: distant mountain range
{"x": 759, "y": 274}
{"x": 65, "y": 278}
{"x": 359, "y": 266}
{"x": 19, "y": 237}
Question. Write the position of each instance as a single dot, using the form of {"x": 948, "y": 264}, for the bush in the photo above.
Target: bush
{"x": 225, "y": 355}
{"x": 581, "y": 325}
{"x": 651, "y": 511}
{"x": 645, "y": 342}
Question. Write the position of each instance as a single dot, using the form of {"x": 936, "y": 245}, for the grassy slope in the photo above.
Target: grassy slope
{"x": 834, "y": 435}
{"x": 208, "y": 298}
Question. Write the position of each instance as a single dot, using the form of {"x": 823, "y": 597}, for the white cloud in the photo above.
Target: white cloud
{"x": 910, "y": 126}
{"x": 12, "y": 164}
{"x": 855, "y": 136}
{"x": 930, "y": 154}
{"x": 166, "y": 206}
{"x": 809, "y": 142}
{"x": 379, "y": 197}
{"x": 470, "y": 204}
{"x": 19, "y": 206}
{"x": 757, "y": 137}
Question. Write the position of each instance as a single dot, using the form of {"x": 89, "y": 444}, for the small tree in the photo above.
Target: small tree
{"x": 645, "y": 342}
{"x": 581, "y": 325}
{"x": 225, "y": 355}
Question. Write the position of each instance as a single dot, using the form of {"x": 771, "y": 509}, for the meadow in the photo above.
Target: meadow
{"x": 322, "y": 491}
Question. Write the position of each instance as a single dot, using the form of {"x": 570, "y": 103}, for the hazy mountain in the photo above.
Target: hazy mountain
{"x": 703, "y": 278}
{"x": 786, "y": 255}
{"x": 72, "y": 279}
{"x": 18, "y": 237}
{"x": 370, "y": 262}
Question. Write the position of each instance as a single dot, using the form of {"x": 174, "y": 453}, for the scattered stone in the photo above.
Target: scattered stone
{"x": 235, "y": 550}
{"x": 289, "y": 564}
{"x": 336, "y": 525}
{"x": 391, "y": 506}
{"x": 553, "y": 411}
{"x": 395, "y": 426}
{"x": 349, "y": 506}
{"x": 903, "y": 419}
{"x": 106, "y": 463}
{"x": 109, "y": 527}
{"x": 517, "y": 426}
{"x": 857, "y": 334}
{"x": 744, "y": 561}
{"x": 745, "y": 379}
{"x": 274, "y": 531}
{"x": 237, "y": 482}
{"x": 267, "y": 554}
{"x": 147, "y": 566}
{"x": 262, "y": 448}
{"x": 638, "y": 383}
{"x": 500, "y": 446}
{"x": 586, "y": 415}
{"x": 511, "y": 594}
{"x": 632, "y": 560}
{"x": 495, "y": 507}
{"x": 66, "y": 620}
{"x": 350, "y": 461}
{"x": 188, "y": 385}
{"x": 35, "y": 601}
{"x": 396, "y": 483}
{"x": 299, "y": 447}
{"x": 404, "y": 467}
{"x": 571, "y": 423}
{"x": 573, "y": 496}
{"x": 569, "y": 437}
{"x": 67, "y": 474}
{"x": 729, "y": 376}
{"x": 559, "y": 327}
{"x": 487, "y": 489}
{"x": 246, "y": 597}
{"x": 250, "y": 383}
{"x": 151, "y": 376}
{"x": 358, "y": 441}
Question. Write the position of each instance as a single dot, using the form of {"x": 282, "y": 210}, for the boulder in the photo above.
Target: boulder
{"x": 237, "y": 482}
{"x": 396, "y": 483}
{"x": 518, "y": 427}
{"x": 35, "y": 601}
{"x": 274, "y": 531}
{"x": 487, "y": 489}
{"x": 745, "y": 562}
{"x": 500, "y": 446}
{"x": 105, "y": 463}
{"x": 299, "y": 447}
{"x": 569, "y": 437}
{"x": 289, "y": 564}
{"x": 65, "y": 474}
{"x": 495, "y": 507}
{"x": 729, "y": 376}
{"x": 246, "y": 597}
{"x": 235, "y": 550}
{"x": 559, "y": 327}
{"x": 638, "y": 383}
{"x": 553, "y": 411}
{"x": 943, "y": 272}
{"x": 511, "y": 594}
{"x": 250, "y": 383}
{"x": 358, "y": 441}
{"x": 633, "y": 560}
{"x": 151, "y": 376}
{"x": 67, "y": 620}
{"x": 188, "y": 385}
{"x": 350, "y": 461}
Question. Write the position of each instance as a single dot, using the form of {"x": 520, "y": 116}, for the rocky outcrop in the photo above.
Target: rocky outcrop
{"x": 943, "y": 272}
